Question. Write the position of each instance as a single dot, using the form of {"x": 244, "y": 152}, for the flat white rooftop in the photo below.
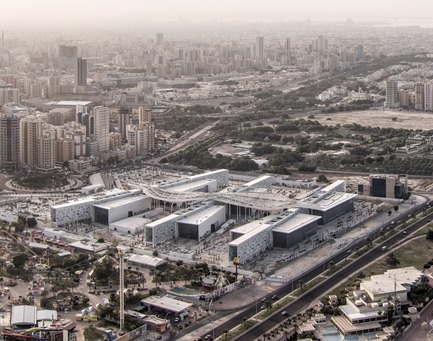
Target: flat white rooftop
{"x": 249, "y": 235}
{"x": 145, "y": 260}
{"x": 246, "y": 228}
{"x": 88, "y": 200}
{"x": 89, "y": 247}
{"x": 119, "y": 202}
{"x": 343, "y": 324}
{"x": 163, "y": 220}
{"x": 325, "y": 201}
{"x": 392, "y": 280}
{"x": 199, "y": 176}
{"x": 199, "y": 217}
{"x": 259, "y": 180}
{"x": 132, "y": 223}
{"x": 191, "y": 186}
{"x": 296, "y": 222}
{"x": 167, "y": 303}
{"x": 69, "y": 103}
{"x": 356, "y": 314}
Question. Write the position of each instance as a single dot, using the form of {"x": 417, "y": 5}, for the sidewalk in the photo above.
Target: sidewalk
{"x": 252, "y": 294}
{"x": 363, "y": 230}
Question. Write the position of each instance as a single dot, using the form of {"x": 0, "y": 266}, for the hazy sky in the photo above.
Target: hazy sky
{"x": 102, "y": 13}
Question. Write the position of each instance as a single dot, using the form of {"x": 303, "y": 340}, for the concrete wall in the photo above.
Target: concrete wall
{"x": 121, "y": 212}
{"x": 252, "y": 246}
{"x": 79, "y": 211}
{"x": 216, "y": 219}
{"x": 161, "y": 230}
{"x": 221, "y": 177}
{"x": 286, "y": 240}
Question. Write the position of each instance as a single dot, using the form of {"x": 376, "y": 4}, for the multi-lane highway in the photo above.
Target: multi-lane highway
{"x": 321, "y": 289}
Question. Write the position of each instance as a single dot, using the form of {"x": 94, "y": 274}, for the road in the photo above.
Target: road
{"x": 188, "y": 140}
{"x": 317, "y": 292}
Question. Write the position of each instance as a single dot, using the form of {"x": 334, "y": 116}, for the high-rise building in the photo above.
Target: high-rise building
{"x": 385, "y": 186}
{"x": 287, "y": 49}
{"x": 53, "y": 86}
{"x": 419, "y": 96}
{"x": 359, "y": 52}
{"x": 260, "y": 49}
{"x": 46, "y": 151}
{"x": 159, "y": 37}
{"x": 81, "y": 72}
{"x": 428, "y": 96}
{"x": 392, "y": 94}
{"x": 64, "y": 150}
{"x": 404, "y": 98}
{"x": 67, "y": 57}
{"x": 144, "y": 115}
{"x": 124, "y": 120}
{"x": 30, "y": 133}
{"x": 68, "y": 51}
{"x": 9, "y": 95}
{"x": 140, "y": 139}
{"x": 88, "y": 121}
{"x": 9, "y": 141}
{"x": 56, "y": 118}
{"x": 102, "y": 128}
{"x": 320, "y": 44}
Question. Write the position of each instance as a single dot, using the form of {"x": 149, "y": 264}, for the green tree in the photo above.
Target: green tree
{"x": 31, "y": 222}
{"x": 20, "y": 260}
{"x": 322, "y": 178}
{"x": 392, "y": 259}
{"x": 105, "y": 271}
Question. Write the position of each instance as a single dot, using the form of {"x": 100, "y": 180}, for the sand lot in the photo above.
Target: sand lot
{"x": 380, "y": 118}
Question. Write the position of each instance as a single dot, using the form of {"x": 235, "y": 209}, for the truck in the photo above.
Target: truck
{"x": 86, "y": 318}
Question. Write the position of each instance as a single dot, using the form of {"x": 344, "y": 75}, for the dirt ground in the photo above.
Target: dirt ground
{"x": 380, "y": 118}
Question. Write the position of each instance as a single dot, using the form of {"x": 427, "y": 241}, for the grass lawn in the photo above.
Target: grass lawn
{"x": 415, "y": 253}
{"x": 93, "y": 334}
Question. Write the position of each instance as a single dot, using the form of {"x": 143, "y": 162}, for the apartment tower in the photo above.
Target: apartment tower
{"x": 9, "y": 141}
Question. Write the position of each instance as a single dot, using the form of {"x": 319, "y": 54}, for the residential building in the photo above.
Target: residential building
{"x": 260, "y": 52}
{"x": 366, "y": 309}
{"x": 9, "y": 141}
{"x": 428, "y": 96}
{"x": 81, "y": 72}
{"x": 8, "y": 95}
{"x": 124, "y": 120}
{"x": 392, "y": 94}
{"x": 46, "y": 152}
{"x": 419, "y": 96}
{"x": 30, "y": 133}
{"x": 102, "y": 128}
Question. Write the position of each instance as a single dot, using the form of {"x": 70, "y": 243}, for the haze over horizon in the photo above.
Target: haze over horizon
{"x": 52, "y": 14}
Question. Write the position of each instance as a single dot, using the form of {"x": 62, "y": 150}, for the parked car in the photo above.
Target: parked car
{"x": 284, "y": 313}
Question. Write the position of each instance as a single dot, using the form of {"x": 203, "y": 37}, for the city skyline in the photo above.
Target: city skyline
{"x": 96, "y": 14}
